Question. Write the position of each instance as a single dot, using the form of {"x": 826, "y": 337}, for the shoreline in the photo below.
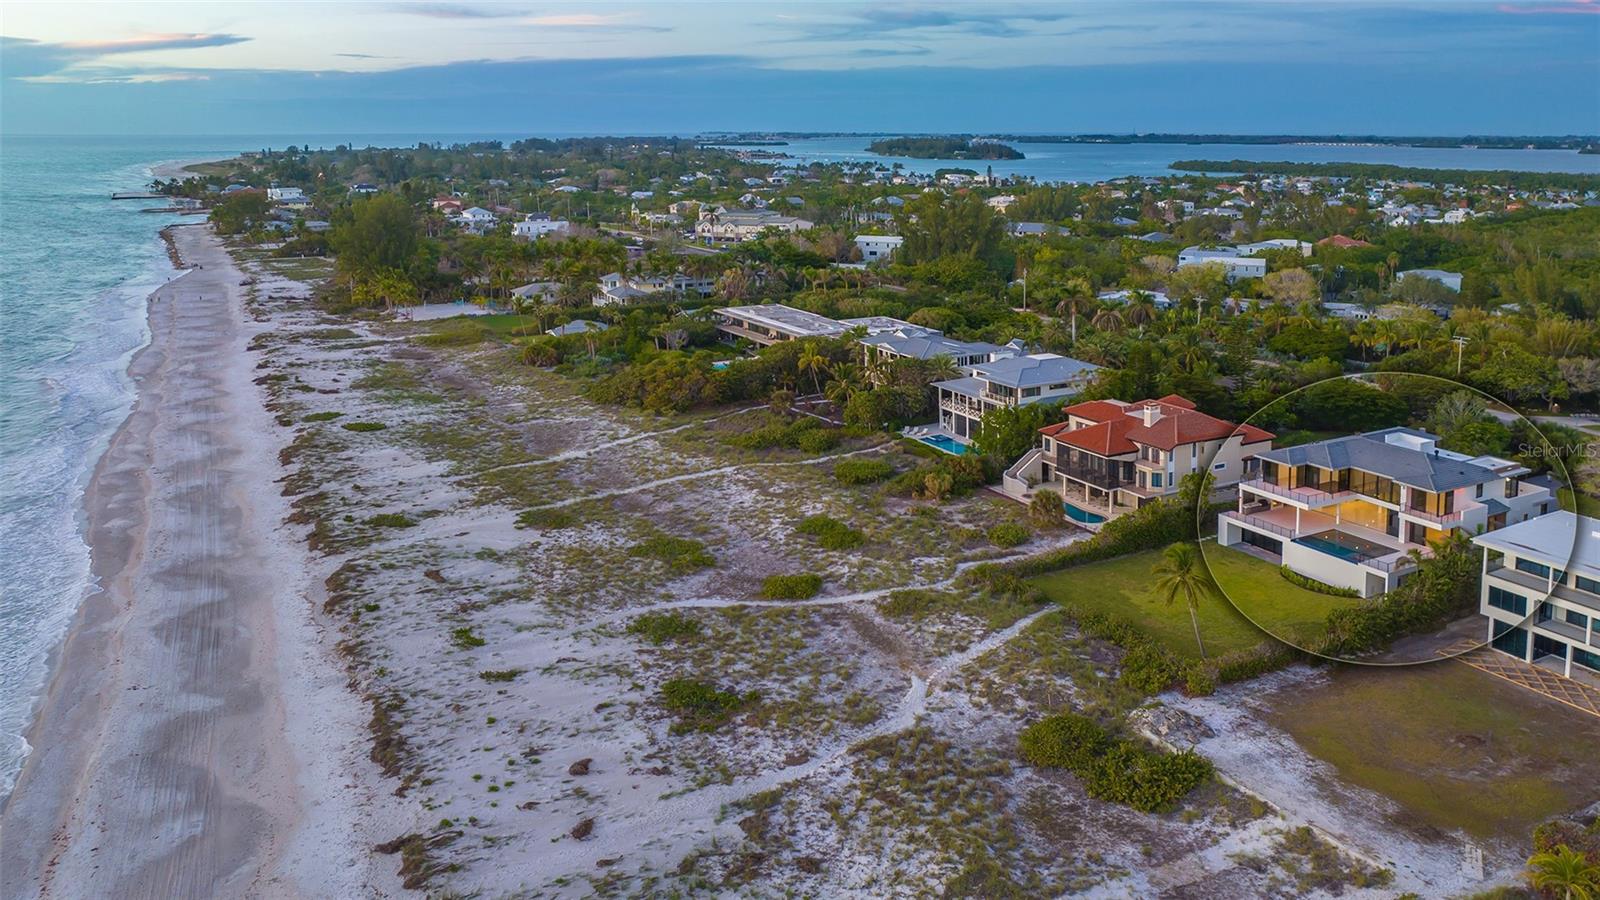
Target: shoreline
{"x": 171, "y": 752}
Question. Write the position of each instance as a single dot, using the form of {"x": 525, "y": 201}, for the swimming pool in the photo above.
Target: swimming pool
{"x": 1082, "y": 516}
{"x": 1344, "y": 545}
{"x": 721, "y": 364}
{"x": 946, "y": 443}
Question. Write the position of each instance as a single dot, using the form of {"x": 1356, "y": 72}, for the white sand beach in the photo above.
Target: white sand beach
{"x": 196, "y": 738}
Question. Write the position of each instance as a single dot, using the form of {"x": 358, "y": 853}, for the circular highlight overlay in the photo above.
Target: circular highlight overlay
{"x": 1397, "y": 519}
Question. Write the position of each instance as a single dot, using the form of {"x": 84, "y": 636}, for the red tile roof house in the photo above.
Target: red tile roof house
{"x": 1111, "y": 456}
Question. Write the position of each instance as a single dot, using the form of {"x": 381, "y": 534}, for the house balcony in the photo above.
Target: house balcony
{"x": 1348, "y": 542}
{"x": 1304, "y": 497}
{"x": 963, "y": 404}
{"x": 1537, "y": 588}
{"x": 1445, "y": 521}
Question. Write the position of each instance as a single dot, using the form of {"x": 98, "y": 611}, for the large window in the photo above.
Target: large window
{"x": 1577, "y": 619}
{"x": 1587, "y": 659}
{"x": 1511, "y": 603}
{"x": 1541, "y": 570}
{"x": 1512, "y": 640}
{"x": 1374, "y": 486}
{"x": 1586, "y": 584}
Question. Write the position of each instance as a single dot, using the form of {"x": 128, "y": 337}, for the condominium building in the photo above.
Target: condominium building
{"x": 1541, "y": 592}
{"x": 1348, "y": 511}
{"x": 1110, "y": 456}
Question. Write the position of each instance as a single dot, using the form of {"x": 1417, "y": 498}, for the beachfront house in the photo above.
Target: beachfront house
{"x": 1110, "y": 457}
{"x": 1349, "y": 510}
{"x": 617, "y": 289}
{"x": 1235, "y": 265}
{"x": 1007, "y": 382}
{"x": 875, "y": 247}
{"x": 576, "y": 326}
{"x": 916, "y": 342}
{"x": 1541, "y": 593}
{"x": 771, "y": 323}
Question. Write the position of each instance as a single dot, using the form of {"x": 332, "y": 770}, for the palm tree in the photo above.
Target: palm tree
{"x": 811, "y": 360}
{"x": 1180, "y": 575}
{"x": 1566, "y": 870}
{"x": 846, "y": 383}
{"x": 1108, "y": 320}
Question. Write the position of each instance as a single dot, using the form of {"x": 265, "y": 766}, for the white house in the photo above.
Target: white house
{"x": 535, "y": 228}
{"x": 1275, "y": 244}
{"x": 1541, "y": 593}
{"x": 1008, "y": 382}
{"x": 726, "y": 224}
{"x": 876, "y": 247}
{"x": 1235, "y": 265}
{"x": 286, "y": 195}
{"x": 476, "y": 217}
{"x": 1348, "y": 511}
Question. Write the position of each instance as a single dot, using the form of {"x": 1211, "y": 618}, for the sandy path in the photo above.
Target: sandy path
{"x": 176, "y": 753}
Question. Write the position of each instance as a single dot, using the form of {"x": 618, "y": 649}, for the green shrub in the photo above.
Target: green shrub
{"x": 791, "y": 587}
{"x": 1199, "y": 680}
{"x": 1063, "y": 741}
{"x": 390, "y": 520}
{"x": 861, "y": 471}
{"x": 501, "y": 674}
{"x": 1312, "y": 584}
{"x": 1119, "y": 771}
{"x": 831, "y": 533}
{"x": 466, "y": 639}
{"x": 1009, "y": 534}
{"x": 914, "y": 602}
{"x": 1149, "y": 667}
{"x": 1444, "y": 587}
{"x": 364, "y": 426}
{"x": 658, "y": 628}
{"x": 700, "y": 706}
{"x": 322, "y": 417}
{"x": 818, "y": 440}
{"x": 680, "y": 554}
{"x": 549, "y": 517}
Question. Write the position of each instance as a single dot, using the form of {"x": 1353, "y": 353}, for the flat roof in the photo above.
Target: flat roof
{"x": 926, "y": 344}
{"x": 786, "y": 319}
{"x": 1563, "y": 539}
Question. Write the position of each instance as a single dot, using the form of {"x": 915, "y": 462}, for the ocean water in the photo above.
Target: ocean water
{"x": 76, "y": 267}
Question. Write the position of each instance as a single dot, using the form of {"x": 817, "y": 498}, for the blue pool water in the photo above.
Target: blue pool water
{"x": 1345, "y": 546}
{"x": 946, "y": 443}
{"x": 722, "y": 364}
{"x": 1082, "y": 515}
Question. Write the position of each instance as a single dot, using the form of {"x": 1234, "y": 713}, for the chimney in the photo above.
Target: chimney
{"x": 1150, "y": 413}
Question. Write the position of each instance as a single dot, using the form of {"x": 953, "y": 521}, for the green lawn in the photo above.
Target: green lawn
{"x": 1456, "y": 747}
{"x": 1261, "y": 593}
{"x": 1122, "y": 587}
{"x": 1587, "y": 504}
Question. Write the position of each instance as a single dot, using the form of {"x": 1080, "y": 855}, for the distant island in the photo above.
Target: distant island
{"x": 943, "y": 148}
{"x": 1380, "y": 171}
{"x": 1575, "y": 142}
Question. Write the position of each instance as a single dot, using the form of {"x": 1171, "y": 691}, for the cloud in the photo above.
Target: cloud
{"x": 900, "y": 19}
{"x": 455, "y": 11}
{"x": 612, "y": 24}
{"x": 147, "y": 42}
{"x": 362, "y": 56}
{"x": 887, "y": 52}
{"x": 27, "y": 58}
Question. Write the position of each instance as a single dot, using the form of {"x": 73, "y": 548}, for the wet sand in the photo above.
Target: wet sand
{"x": 196, "y": 738}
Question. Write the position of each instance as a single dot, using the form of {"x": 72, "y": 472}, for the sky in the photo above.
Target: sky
{"x": 1397, "y": 67}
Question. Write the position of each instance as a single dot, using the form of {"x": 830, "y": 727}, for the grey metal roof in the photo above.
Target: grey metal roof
{"x": 1034, "y": 371}
{"x": 1371, "y": 453}
{"x": 926, "y": 344}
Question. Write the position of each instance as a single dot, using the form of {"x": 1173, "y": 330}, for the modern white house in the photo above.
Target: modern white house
{"x": 1235, "y": 265}
{"x": 1110, "y": 457}
{"x": 476, "y": 218}
{"x": 1303, "y": 247}
{"x": 1541, "y": 592}
{"x": 1349, "y": 510}
{"x": 876, "y": 247}
{"x": 535, "y": 227}
{"x": 1158, "y": 298}
{"x": 286, "y": 195}
{"x": 1008, "y": 382}
{"x": 1451, "y": 280}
